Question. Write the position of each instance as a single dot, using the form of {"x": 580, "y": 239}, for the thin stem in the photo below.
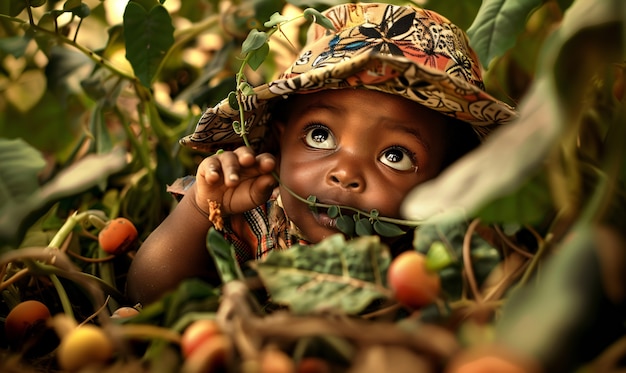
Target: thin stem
{"x": 409, "y": 223}
{"x": 30, "y": 13}
{"x": 467, "y": 260}
{"x": 65, "y": 300}
{"x": 543, "y": 248}
{"x": 510, "y": 243}
{"x": 21, "y": 273}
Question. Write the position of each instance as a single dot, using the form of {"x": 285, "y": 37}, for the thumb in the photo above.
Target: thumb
{"x": 262, "y": 188}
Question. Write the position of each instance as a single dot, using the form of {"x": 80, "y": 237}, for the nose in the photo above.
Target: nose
{"x": 347, "y": 177}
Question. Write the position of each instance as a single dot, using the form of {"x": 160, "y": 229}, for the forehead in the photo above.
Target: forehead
{"x": 369, "y": 104}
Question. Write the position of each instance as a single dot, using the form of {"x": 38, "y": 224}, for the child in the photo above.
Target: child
{"x": 366, "y": 113}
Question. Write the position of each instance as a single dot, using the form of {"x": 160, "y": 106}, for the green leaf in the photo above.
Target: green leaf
{"x": 19, "y": 166}
{"x": 312, "y": 200}
{"x": 223, "y": 253}
{"x": 257, "y": 56}
{"x": 314, "y": 15}
{"x": 82, "y": 11}
{"x": 148, "y": 37}
{"x": 276, "y": 19}
{"x": 254, "y": 41}
{"x": 71, "y": 4}
{"x": 14, "y": 45}
{"x": 99, "y": 130}
{"x": 363, "y": 227}
{"x": 497, "y": 25}
{"x": 527, "y": 205}
{"x": 74, "y": 179}
{"x": 345, "y": 224}
{"x": 232, "y": 100}
{"x": 333, "y": 274}
{"x": 333, "y": 211}
{"x": 387, "y": 229}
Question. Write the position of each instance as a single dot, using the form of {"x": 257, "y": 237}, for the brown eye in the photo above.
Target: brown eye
{"x": 398, "y": 158}
{"x": 320, "y": 137}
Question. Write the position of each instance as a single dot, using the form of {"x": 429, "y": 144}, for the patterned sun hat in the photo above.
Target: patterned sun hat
{"x": 403, "y": 50}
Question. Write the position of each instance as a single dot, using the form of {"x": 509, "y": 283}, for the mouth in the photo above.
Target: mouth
{"x": 323, "y": 219}
{"x": 322, "y": 216}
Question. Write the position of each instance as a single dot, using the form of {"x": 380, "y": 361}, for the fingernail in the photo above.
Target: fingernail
{"x": 233, "y": 177}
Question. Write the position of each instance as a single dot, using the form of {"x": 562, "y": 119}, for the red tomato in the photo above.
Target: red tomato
{"x": 412, "y": 284}
{"x": 197, "y": 333}
{"x": 23, "y": 319}
{"x": 117, "y": 236}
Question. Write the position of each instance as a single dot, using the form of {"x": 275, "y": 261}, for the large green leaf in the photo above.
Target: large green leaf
{"x": 517, "y": 151}
{"x": 334, "y": 274}
{"x": 19, "y": 166}
{"x": 497, "y": 25}
{"x": 21, "y": 196}
{"x": 148, "y": 36}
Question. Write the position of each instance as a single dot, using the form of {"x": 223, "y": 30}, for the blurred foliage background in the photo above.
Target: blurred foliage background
{"x": 94, "y": 95}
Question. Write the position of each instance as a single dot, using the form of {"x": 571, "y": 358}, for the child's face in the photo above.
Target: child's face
{"x": 357, "y": 148}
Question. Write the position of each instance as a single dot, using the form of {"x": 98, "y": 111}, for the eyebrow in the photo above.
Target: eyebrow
{"x": 394, "y": 123}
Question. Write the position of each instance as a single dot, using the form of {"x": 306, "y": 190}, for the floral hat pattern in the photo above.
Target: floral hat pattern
{"x": 406, "y": 51}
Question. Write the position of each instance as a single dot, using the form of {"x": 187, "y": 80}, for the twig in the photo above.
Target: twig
{"x": 21, "y": 273}
{"x": 467, "y": 260}
{"x": 510, "y": 243}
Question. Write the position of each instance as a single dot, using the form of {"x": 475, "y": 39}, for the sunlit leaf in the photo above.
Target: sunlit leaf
{"x": 148, "y": 36}
{"x": 257, "y": 56}
{"x": 255, "y": 40}
{"x": 26, "y": 92}
{"x": 497, "y": 25}
{"x": 275, "y": 19}
{"x": 315, "y": 16}
{"x": 334, "y": 274}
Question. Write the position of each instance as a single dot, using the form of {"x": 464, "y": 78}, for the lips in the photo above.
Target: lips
{"x": 324, "y": 220}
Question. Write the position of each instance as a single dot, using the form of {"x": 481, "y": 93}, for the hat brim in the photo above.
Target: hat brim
{"x": 438, "y": 90}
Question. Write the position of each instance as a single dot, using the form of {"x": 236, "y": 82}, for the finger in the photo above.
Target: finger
{"x": 210, "y": 169}
{"x": 245, "y": 155}
{"x": 266, "y": 162}
{"x": 231, "y": 167}
{"x": 262, "y": 189}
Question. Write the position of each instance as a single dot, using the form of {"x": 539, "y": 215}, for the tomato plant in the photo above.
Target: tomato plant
{"x": 94, "y": 99}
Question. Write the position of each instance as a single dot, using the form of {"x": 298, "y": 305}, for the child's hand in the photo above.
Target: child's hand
{"x": 238, "y": 180}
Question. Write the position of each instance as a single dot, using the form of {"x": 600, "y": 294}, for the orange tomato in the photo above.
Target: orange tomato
{"x": 117, "y": 236}
{"x": 413, "y": 285}
{"x": 23, "y": 319}
{"x": 197, "y": 333}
